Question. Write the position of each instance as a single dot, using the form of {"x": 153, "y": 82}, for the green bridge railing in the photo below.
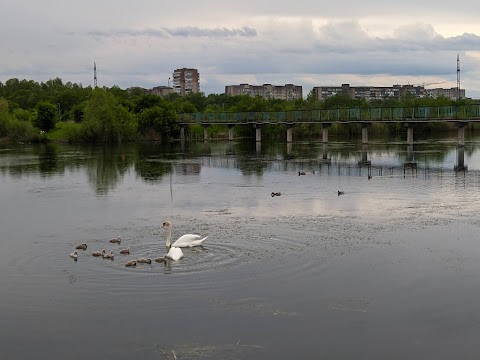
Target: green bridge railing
{"x": 426, "y": 113}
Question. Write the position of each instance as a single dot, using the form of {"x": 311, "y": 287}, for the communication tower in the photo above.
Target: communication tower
{"x": 94, "y": 75}
{"x": 458, "y": 76}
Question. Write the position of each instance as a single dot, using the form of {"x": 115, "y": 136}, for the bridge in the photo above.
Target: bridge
{"x": 461, "y": 115}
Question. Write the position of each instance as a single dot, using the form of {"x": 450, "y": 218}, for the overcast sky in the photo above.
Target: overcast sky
{"x": 304, "y": 42}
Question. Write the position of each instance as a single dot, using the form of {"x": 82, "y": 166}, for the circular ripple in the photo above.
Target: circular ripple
{"x": 244, "y": 247}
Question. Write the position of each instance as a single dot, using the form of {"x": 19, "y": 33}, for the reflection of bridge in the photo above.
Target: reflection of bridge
{"x": 361, "y": 167}
{"x": 461, "y": 115}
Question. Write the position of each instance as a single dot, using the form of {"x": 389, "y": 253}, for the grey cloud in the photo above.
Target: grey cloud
{"x": 174, "y": 32}
{"x": 126, "y": 33}
{"x": 349, "y": 37}
{"x": 217, "y": 32}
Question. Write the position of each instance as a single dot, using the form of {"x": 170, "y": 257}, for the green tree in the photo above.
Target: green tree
{"x": 76, "y": 113}
{"x": 106, "y": 120}
{"x": 45, "y": 116}
{"x": 160, "y": 119}
{"x": 147, "y": 101}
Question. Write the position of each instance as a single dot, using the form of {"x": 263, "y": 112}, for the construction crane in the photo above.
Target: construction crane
{"x": 429, "y": 84}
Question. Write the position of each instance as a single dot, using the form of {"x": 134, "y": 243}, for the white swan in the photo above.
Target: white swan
{"x": 187, "y": 240}
{"x": 174, "y": 253}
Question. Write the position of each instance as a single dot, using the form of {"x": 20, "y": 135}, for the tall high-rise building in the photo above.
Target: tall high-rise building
{"x": 186, "y": 81}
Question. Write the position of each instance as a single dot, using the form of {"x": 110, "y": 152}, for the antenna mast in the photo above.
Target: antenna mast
{"x": 94, "y": 75}
{"x": 458, "y": 76}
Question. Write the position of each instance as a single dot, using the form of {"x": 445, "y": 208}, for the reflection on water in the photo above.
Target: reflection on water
{"x": 307, "y": 274}
{"x": 106, "y": 166}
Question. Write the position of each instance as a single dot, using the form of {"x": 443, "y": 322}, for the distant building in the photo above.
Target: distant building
{"x": 157, "y": 90}
{"x": 161, "y": 91}
{"x": 267, "y": 91}
{"x": 186, "y": 81}
{"x": 369, "y": 92}
{"x": 136, "y": 90}
{"x": 452, "y": 93}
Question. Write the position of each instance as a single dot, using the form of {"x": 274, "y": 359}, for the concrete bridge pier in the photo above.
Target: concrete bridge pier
{"x": 365, "y": 127}
{"x": 460, "y": 159}
{"x": 289, "y": 149}
{"x": 461, "y": 133}
{"x": 230, "y": 132}
{"x": 182, "y": 132}
{"x": 410, "y": 153}
{"x": 258, "y": 132}
{"x": 364, "y": 161}
{"x": 325, "y": 127}
{"x": 410, "y": 163}
{"x": 205, "y": 132}
{"x": 325, "y": 159}
{"x": 409, "y": 134}
{"x": 289, "y": 133}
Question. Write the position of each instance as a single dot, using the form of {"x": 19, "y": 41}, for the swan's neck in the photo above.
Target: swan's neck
{"x": 168, "y": 243}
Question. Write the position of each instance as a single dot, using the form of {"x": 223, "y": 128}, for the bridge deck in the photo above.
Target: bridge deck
{"x": 468, "y": 113}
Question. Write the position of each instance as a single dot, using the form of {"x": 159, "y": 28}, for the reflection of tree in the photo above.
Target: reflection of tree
{"x": 48, "y": 160}
{"x": 251, "y": 163}
{"x": 106, "y": 165}
{"x": 152, "y": 161}
{"x": 151, "y": 170}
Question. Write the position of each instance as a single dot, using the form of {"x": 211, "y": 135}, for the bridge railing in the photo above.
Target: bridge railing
{"x": 425, "y": 113}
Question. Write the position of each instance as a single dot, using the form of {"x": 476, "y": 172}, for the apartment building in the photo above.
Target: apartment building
{"x": 157, "y": 90}
{"x": 266, "y": 91}
{"x": 160, "y": 91}
{"x": 369, "y": 92}
{"x": 186, "y": 81}
{"x": 452, "y": 93}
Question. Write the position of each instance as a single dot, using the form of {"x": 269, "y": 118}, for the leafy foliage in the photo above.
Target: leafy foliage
{"x": 16, "y": 130}
{"x": 106, "y": 120}
{"x": 45, "y": 117}
{"x": 111, "y": 114}
{"x": 161, "y": 119}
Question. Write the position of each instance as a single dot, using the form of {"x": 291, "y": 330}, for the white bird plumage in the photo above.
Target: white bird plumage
{"x": 174, "y": 253}
{"x": 187, "y": 240}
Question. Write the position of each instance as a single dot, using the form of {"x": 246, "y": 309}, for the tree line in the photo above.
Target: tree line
{"x": 53, "y": 110}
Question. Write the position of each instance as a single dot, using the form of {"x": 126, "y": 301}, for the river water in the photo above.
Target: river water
{"x": 390, "y": 269}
